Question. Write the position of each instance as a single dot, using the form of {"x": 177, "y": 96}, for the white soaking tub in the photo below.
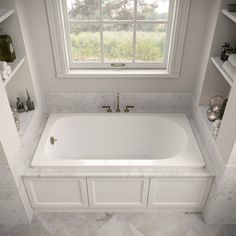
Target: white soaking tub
{"x": 137, "y": 139}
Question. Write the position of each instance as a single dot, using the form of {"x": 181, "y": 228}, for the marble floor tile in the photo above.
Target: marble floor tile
{"x": 118, "y": 224}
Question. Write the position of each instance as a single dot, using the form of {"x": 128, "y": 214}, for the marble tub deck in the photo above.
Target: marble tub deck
{"x": 119, "y": 224}
{"x": 92, "y": 102}
{"x": 208, "y": 170}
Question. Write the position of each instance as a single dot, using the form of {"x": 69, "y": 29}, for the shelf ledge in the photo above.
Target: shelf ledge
{"x": 230, "y": 15}
{"x": 15, "y": 66}
{"x": 25, "y": 119}
{"x": 5, "y": 13}
{"x": 219, "y": 65}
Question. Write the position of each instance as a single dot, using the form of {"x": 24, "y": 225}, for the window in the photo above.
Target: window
{"x": 117, "y": 34}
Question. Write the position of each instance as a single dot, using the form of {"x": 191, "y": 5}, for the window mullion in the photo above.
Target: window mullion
{"x": 101, "y": 31}
{"x": 134, "y": 32}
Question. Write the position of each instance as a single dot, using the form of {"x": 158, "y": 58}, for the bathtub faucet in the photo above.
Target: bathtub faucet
{"x": 118, "y": 102}
{"x": 127, "y": 107}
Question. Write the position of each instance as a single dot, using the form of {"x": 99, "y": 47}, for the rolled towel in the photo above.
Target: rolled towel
{"x": 3, "y": 65}
{"x": 4, "y": 75}
{"x": 8, "y": 70}
{"x": 230, "y": 69}
{"x": 232, "y": 59}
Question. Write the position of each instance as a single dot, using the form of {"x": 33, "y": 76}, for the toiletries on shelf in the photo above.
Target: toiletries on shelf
{"x": 20, "y": 105}
{"x": 7, "y": 51}
{"x": 29, "y": 102}
{"x": 227, "y": 50}
{"x": 217, "y": 105}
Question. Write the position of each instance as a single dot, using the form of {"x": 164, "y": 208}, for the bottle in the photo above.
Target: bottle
{"x": 7, "y": 52}
{"x": 20, "y": 105}
{"x": 29, "y": 102}
{"x": 225, "y": 48}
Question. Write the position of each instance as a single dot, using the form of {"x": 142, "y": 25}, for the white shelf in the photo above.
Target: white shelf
{"x": 5, "y": 13}
{"x": 203, "y": 110}
{"x": 230, "y": 15}
{"x": 219, "y": 65}
{"x": 14, "y": 67}
{"x": 25, "y": 119}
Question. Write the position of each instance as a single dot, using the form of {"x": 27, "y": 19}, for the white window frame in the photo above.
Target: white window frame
{"x": 111, "y": 64}
{"x": 64, "y": 66}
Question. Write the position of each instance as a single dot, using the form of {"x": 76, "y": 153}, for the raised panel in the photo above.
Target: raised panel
{"x": 56, "y": 192}
{"x": 184, "y": 193}
{"x": 118, "y": 192}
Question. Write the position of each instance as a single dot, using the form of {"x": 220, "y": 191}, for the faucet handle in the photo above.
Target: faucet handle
{"x": 127, "y": 108}
{"x": 109, "y": 110}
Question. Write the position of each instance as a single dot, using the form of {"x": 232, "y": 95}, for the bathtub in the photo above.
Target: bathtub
{"x": 140, "y": 140}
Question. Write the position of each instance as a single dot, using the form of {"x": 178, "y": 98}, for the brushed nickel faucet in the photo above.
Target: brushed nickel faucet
{"x": 127, "y": 107}
{"x": 118, "y": 102}
{"x": 126, "y": 110}
{"x": 109, "y": 110}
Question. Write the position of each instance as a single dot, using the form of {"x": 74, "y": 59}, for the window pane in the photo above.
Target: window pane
{"x": 85, "y": 41}
{"x": 118, "y": 40}
{"x": 118, "y": 9}
{"x": 83, "y": 9}
{"x": 150, "y": 42}
{"x": 152, "y": 9}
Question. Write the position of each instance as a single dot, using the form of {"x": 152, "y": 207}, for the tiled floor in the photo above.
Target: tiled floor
{"x": 118, "y": 224}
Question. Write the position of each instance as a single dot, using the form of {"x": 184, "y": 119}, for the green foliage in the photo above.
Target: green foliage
{"x": 115, "y": 9}
{"x": 86, "y": 46}
{"x": 118, "y": 46}
{"x": 117, "y": 37}
{"x": 83, "y": 9}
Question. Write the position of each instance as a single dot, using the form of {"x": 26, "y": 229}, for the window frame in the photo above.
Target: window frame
{"x": 115, "y": 64}
{"x": 65, "y": 69}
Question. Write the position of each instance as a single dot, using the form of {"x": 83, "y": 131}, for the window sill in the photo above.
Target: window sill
{"x": 117, "y": 73}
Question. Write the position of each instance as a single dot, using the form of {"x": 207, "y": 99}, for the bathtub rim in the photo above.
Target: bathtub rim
{"x": 39, "y": 162}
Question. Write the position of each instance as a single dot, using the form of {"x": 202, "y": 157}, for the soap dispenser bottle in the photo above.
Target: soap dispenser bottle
{"x": 7, "y": 52}
{"x": 29, "y": 102}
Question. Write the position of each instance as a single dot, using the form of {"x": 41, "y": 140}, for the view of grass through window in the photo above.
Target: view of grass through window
{"x": 118, "y": 30}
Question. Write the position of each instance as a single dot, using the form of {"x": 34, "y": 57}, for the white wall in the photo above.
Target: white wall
{"x": 39, "y": 37}
{"x": 8, "y": 135}
{"x": 3, "y": 158}
{"x": 232, "y": 159}
{"x": 213, "y": 13}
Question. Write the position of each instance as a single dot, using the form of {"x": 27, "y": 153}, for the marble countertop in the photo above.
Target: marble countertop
{"x": 115, "y": 172}
{"x": 209, "y": 169}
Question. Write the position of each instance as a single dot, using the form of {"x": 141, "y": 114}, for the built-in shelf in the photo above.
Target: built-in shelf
{"x": 203, "y": 110}
{"x": 5, "y": 13}
{"x": 15, "y": 66}
{"x": 24, "y": 119}
{"x": 219, "y": 65}
{"x": 230, "y": 15}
